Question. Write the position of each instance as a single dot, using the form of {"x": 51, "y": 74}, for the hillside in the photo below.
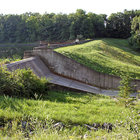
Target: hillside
{"x": 110, "y": 56}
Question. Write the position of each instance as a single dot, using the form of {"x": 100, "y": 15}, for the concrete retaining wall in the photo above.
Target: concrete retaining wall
{"x": 67, "y": 67}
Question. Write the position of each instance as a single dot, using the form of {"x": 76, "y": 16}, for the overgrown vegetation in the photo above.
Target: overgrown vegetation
{"x": 30, "y": 27}
{"x": 21, "y": 83}
{"x": 10, "y": 59}
{"x": 125, "y": 84}
{"x": 111, "y": 56}
{"x": 135, "y": 38}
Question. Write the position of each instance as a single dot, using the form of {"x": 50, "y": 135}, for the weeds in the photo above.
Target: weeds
{"x": 133, "y": 120}
{"x": 22, "y": 83}
{"x": 125, "y": 84}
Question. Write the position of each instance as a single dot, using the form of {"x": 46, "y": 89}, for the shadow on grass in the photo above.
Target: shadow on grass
{"x": 126, "y": 47}
{"x": 16, "y": 103}
{"x": 113, "y": 53}
{"x": 71, "y": 97}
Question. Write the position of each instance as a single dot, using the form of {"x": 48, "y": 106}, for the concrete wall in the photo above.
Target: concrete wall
{"x": 67, "y": 67}
{"x": 34, "y": 63}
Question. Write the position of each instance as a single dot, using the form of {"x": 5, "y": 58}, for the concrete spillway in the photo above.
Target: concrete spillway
{"x": 41, "y": 70}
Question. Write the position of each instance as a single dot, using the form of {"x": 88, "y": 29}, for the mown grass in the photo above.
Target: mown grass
{"x": 70, "y": 109}
{"x": 110, "y": 56}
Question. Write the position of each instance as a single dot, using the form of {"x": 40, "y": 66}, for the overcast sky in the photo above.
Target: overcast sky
{"x": 67, "y": 6}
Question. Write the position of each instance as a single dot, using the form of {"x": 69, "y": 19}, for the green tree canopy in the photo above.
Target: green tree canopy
{"x": 30, "y": 27}
{"x": 136, "y": 30}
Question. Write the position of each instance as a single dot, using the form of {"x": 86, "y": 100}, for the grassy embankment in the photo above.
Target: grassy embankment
{"x": 106, "y": 55}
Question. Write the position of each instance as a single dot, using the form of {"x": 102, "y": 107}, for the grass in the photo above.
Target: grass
{"x": 70, "y": 109}
{"x": 110, "y": 56}
{"x": 76, "y": 109}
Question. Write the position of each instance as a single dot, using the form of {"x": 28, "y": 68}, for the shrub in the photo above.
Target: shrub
{"x": 135, "y": 31}
{"x": 125, "y": 84}
{"x": 21, "y": 82}
{"x": 6, "y": 85}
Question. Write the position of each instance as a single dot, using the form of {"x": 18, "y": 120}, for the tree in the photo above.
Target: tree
{"x": 135, "y": 31}
{"x": 30, "y": 27}
{"x": 119, "y": 24}
{"x": 21, "y": 30}
{"x": 2, "y": 28}
{"x": 61, "y": 27}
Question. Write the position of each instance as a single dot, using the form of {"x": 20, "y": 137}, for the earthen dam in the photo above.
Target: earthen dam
{"x": 65, "y": 72}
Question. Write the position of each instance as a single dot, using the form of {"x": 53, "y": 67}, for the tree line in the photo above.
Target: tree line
{"x": 135, "y": 32}
{"x": 31, "y": 27}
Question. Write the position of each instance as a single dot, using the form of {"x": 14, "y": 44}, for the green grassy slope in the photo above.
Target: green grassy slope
{"x": 105, "y": 55}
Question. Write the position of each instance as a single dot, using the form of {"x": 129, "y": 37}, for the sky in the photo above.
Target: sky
{"x": 67, "y": 6}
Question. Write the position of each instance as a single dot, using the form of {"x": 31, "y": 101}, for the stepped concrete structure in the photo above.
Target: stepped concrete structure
{"x": 65, "y": 72}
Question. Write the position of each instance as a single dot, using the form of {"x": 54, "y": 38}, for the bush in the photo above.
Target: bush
{"x": 131, "y": 41}
{"x": 135, "y": 31}
{"x": 6, "y": 85}
{"x": 125, "y": 84}
{"x": 21, "y": 82}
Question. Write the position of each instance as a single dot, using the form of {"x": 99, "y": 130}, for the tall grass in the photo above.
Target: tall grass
{"x": 68, "y": 108}
{"x": 73, "y": 110}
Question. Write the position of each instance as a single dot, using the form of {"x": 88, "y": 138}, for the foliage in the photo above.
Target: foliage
{"x": 41, "y": 114}
{"x": 31, "y": 27}
{"x": 13, "y": 50}
{"x": 135, "y": 39}
{"x": 125, "y": 84}
{"x": 9, "y": 60}
{"x": 21, "y": 83}
{"x": 111, "y": 56}
{"x": 118, "y": 24}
